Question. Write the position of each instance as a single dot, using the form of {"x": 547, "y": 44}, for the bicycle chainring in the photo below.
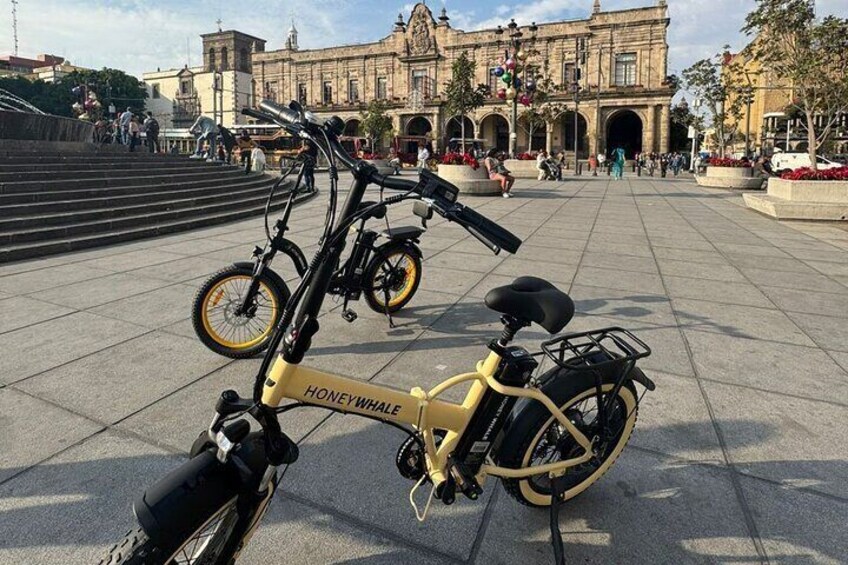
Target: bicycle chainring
{"x": 410, "y": 456}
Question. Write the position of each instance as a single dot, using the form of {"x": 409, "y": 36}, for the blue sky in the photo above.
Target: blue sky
{"x": 141, "y": 35}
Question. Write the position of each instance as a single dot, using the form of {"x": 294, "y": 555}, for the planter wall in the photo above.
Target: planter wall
{"x": 802, "y": 200}
{"x": 469, "y": 181}
{"x": 522, "y": 169}
{"x": 737, "y": 178}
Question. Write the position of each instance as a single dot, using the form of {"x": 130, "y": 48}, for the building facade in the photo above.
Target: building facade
{"x": 624, "y": 98}
{"x": 219, "y": 88}
{"x": 768, "y": 121}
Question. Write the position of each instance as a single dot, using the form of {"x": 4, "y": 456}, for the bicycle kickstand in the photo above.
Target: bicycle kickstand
{"x": 386, "y": 308}
{"x": 557, "y": 492}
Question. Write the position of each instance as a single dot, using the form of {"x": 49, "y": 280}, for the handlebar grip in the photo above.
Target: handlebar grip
{"x": 494, "y": 248}
{"x": 486, "y": 228}
{"x": 280, "y": 112}
{"x": 393, "y": 183}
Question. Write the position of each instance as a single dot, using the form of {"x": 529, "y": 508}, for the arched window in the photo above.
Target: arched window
{"x": 244, "y": 60}
{"x": 225, "y": 59}
{"x": 211, "y": 58}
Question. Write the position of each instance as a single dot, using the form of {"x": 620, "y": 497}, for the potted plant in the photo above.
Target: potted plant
{"x": 805, "y": 194}
{"x": 726, "y": 172}
{"x": 465, "y": 172}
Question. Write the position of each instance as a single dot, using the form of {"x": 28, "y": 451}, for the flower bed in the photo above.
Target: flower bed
{"x": 806, "y": 173}
{"x": 527, "y": 156}
{"x": 452, "y": 158}
{"x": 372, "y": 156}
{"x": 728, "y": 162}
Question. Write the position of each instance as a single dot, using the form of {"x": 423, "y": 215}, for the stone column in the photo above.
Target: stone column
{"x": 649, "y": 130}
{"x": 664, "y": 121}
{"x": 549, "y": 137}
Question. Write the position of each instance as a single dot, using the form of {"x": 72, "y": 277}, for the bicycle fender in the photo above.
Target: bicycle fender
{"x": 269, "y": 272}
{"x": 182, "y": 501}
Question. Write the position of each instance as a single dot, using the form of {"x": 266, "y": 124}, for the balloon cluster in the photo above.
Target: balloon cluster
{"x": 89, "y": 107}
{"x": 508, "y": 70}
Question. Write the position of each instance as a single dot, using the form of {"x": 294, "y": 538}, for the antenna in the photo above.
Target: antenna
{"x": 15, "y": 24}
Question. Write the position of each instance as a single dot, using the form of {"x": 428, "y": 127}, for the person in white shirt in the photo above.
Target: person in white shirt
{"x": 125, "y": 119}
{"x": 423, "y": 156}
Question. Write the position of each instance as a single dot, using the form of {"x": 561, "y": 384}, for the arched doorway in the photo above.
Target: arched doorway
{"x": 495, "y": 130}
{"x": 567, "y": 121}
{"x": 535, "y": 137}
{"x": 419, "y": 125}
{"x": 624, "y": 129}
{"x": 454, "y": 128}
{"x": 351, "y": 128}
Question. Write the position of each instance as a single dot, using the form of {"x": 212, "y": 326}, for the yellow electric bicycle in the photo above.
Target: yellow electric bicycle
{"x": 547, "y": 437}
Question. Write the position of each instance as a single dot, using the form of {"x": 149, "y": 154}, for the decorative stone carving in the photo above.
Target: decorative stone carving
{"x": 420, "y": 42}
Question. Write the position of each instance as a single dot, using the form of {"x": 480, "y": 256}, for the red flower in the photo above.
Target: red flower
{"x": 727, "y": 162}
{"x": 806, "y": 173}
{"x": 371, "y": 156}
{"x": 452, "y": 158}
{"x": 528, "y": 156}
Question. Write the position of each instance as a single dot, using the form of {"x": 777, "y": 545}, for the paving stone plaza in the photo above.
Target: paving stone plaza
{"x": 739, "y": 456}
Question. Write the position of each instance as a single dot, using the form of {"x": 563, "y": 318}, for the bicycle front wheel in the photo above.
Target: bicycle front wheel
{"x": 229, "y": 329}
{"x": 392, "y": 277}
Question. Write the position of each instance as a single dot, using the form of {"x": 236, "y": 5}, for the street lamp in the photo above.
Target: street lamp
{"x": 510, "y": 70}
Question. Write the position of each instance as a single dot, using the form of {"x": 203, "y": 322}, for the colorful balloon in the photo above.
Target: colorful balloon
{"x": 498, "y": 71}
{"x": 502, "y": 93}
{"x": 522, "y": 55}
{"x": 510, "y": 64}
{"x": 507, "y": 78}
{"x": 525, "y": 100}
{"x": 510, "y": 93}
{"x": 517, "y": 82}
{"x": 530, "y": 85}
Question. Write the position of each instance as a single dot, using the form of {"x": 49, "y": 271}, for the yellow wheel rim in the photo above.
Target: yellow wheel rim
{"x": 397, "y": 260}
{"x": 540, "y": 499}
{"x": 238, "y": 332}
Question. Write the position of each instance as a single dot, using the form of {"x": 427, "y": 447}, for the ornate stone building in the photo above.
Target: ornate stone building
{"x": 622, "y": 56}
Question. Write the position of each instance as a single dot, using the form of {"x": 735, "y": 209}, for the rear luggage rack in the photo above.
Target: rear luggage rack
{"x": 607, "y": 348}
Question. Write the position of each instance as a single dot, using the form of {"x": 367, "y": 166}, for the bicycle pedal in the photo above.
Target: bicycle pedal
{"x": 349, "y": 316}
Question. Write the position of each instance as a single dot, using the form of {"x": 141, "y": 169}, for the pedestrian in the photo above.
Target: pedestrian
{"x": 245, "y": 146}
{"x": 124, "y": 122}
{"x": 205, "y": 131}
{"x": 151, "y": 132}
{"x": 497, "y": 171}
{"x": 593, "y": 165}
{"x": 174, "y": 150}
{"x": 309, "y": 155}
{"x": 542, "y": 166}
{"x": 423, "y": 156}
{"x": 394, "y": 161}
{"x": 618, "y": 163}
{"x": 133, "y": 132}
{"x": 663, "y": 164}
{"x": 601, "y": 160}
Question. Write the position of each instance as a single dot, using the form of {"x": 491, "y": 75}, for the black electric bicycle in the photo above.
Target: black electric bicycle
{"x": 236, "y": 309}
{"x": 547, "y": 436}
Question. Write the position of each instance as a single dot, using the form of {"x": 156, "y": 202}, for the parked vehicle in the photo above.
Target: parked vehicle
{"x": 548, "y": 437}
{"x": 782, "y": 162}
{"x": 236, "y": 309}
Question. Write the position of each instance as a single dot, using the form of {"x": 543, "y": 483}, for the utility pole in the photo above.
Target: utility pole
{"x": 15, "y": 24}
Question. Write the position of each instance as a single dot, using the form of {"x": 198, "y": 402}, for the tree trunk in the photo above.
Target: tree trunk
{"x": 530, "y": 130}
{"x": 811, "y": 140}
{"x": 462, "y": 131}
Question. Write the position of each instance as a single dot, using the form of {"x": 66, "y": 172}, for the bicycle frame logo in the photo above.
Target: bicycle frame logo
{"x": 345, "y": 400}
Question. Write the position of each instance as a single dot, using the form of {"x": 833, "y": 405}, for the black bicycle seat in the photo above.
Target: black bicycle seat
{"x": 534, "y": 300}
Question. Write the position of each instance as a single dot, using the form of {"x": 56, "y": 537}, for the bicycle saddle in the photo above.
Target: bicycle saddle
{"x": 534, "y": 300}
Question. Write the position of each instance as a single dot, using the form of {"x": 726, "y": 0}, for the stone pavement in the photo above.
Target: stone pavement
{"x": 739, "y": 456}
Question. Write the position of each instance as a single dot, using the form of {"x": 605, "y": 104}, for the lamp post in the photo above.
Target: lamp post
{"x": 513, "y": 66}
{"x": 697, "y": 105}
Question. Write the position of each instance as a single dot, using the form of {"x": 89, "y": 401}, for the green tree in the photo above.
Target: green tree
{"x": 375, "y": 123}
{"x": 111, "y": 85}
{"x": 810, "y": 56}
{"x": 543, "y": 110}
{"x": 47, "y": 97}
{"x": 461, "y": 96}
{"x": 716, "y": 89}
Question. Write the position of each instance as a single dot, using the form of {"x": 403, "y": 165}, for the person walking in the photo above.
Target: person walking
{"x": 593, "y": 165}
{"x": 601, "y": 160}
{"x": 309, "y": 156}
{"x": 497, "y": 171}
{"x": 124, "y": 121}
{"x": 133, "y": 131}
{"x": 542, "y": 166}
{"x": 663, "y": 165}
{"x": 245, "y": 146}
{"x": 151, "y": 132}
{"x": 618, "y": 163}
{"x": 423, "y": 156}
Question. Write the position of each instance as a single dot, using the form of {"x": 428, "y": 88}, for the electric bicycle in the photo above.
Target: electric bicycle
{"x": 237, "y": 308}
{"x": 547, "y": 437}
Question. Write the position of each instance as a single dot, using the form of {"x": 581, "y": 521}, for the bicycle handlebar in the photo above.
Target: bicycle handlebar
{"x": 287, "y": 115}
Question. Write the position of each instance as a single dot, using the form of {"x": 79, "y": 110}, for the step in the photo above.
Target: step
{"x": 117, "y": 171}
{"x": 11, "y": 169}
{"x": 22, "y": 209}
{"x": 109, "y": 182}
{"x": 39, "y": 249}
{"x": 29, "y": 223}
{"x": 114, "y": 224}
{"x": 126, "y": 190}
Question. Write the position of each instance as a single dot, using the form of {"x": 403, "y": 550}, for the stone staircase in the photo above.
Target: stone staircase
{"x": 58, "y": 202}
